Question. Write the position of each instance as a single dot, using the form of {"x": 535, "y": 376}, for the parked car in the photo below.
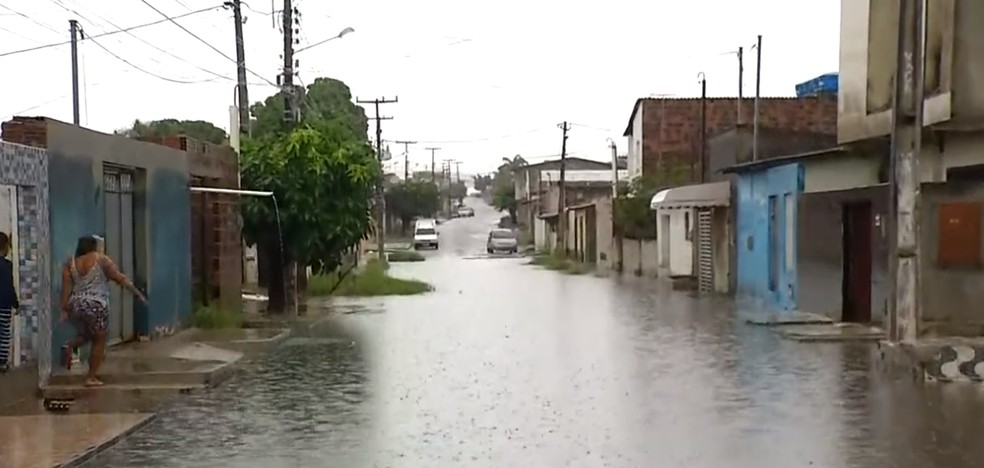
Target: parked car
{"x": 425, "y": 234}
{"x": 465, "y": 212}
{"x": 502, "y": 240}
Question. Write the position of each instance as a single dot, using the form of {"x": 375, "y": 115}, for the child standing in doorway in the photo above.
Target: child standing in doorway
{"x": 8, "y": 302}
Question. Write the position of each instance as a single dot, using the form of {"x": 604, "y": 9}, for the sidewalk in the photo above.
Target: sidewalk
{"x": 53, "y": 440}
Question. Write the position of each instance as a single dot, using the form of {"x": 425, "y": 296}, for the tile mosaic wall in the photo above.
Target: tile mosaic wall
{"x": 27, "y": 168}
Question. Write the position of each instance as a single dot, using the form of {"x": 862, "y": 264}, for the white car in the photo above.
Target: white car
{"x": 425, "y": 234}
{"x": 501, "y": 240}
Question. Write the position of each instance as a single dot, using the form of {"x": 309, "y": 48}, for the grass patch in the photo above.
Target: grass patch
{"x": 556, "y": 261}
{"x": 405, "y": 256}
{"x": 371, "y": 281}
{"x": 214, "y": 318}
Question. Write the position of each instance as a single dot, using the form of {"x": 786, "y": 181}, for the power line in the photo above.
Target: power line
{"x": 155, "y": 75}
{"x": 109, "y": 33}
{"x": 203, "y": 41}
{"x": 477, "y": 140}
{"x": 22, "y": 15}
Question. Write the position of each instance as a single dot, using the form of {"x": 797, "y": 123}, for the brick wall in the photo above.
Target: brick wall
{"x": 29, "y": 131}
{"x": 671, "y": 127}
{"x": 214, "y": 220}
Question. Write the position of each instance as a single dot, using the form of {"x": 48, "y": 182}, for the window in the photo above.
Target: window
{"x": 959, "y": 239}
{"x": 426, "y": 231}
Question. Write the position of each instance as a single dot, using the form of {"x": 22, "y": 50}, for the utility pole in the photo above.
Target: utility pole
{"x": 615, "y": 231}
{"x": 288, "y": 81}
{"x": 243, "y": 94}
{"x": 703, "y": 126}
{"x": 380, "y": 200}
{"x": 758, "y": 90}
{"x": 904, "y": 179}
{"x": 432, "y": 150}
{"x": 457, "y": 171}
{"x": 741, "y": 81}
{"x": 446, "y": 175}
{"x": 562, "y": 199}
{"x": 406, "y": 157}
{"x": 73, "y": 27}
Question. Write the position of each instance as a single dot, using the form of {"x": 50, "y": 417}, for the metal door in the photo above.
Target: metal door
{"x": 705, "y": 252}
{"x": 118, "y": 186}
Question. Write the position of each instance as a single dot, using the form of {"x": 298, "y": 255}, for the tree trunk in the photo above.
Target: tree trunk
{"x": 277, "y": 302}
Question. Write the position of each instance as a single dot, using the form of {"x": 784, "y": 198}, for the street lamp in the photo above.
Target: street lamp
{"x": 340, "y": 35}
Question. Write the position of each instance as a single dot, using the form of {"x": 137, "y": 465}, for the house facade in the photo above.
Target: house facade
{"x": 530, "y": 187}
{"x": 589, "y": 214}
{"x": 135, "y": 194}
{"x": 663, "y": 134}
{"x": 23, "y": 217}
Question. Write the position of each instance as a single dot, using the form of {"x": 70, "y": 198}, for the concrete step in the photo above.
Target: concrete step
{"x": 148, "y": 372}
{"x": 117, "y": 397}
{"x": 949, "y": 359}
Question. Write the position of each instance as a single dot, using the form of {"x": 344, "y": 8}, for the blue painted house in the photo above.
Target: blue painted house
{"x": 765, "y": 238}
{"x": 135, "y": 195}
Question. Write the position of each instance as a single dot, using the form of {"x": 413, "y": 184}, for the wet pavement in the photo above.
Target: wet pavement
{"x": 506, "y": 365}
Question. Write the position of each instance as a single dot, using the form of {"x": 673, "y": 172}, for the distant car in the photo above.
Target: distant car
{"x": 501, "y": 240}
{"x": 425, "y": 234}
{"x": 465, "y": 212}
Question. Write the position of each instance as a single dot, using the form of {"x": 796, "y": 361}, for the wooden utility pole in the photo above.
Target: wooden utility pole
{"x": 703, "y": 127}
{"x": 242, "y": 93}
{"x": 904, "y": 177}
{"x": 741, "y": 82}
{"x": 562, "y": 198}
{"x": 406, "y": 157}
{"x": 758, "y": 91}
{"x": 433, "y": 150}
{"x": 73, "y": 27}
{"x": 380, "y": 200}
{"x": 288, "y": 81}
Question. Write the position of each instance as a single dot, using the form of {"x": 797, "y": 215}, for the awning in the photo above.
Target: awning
{"x": 693, "y": 196}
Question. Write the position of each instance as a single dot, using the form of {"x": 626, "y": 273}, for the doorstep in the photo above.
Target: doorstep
{"x": 836, "y": 332}
{"x": 787, "y": 318}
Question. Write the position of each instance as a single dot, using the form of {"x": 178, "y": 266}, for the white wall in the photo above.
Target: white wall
{"x": 634, "y": 159}
{"x": 680, "y": 249}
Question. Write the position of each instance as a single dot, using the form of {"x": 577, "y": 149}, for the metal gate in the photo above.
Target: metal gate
{"x": 705, "y": 252}
{"x": 118, "y": 186}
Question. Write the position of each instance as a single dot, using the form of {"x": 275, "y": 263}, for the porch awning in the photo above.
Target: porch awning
{"x": 693, "y": 196}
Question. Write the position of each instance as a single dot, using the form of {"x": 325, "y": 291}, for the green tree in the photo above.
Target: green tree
{"x": 633, "y": 215}
{"x": 504, "y": 193}
{"x": 482, "y": 182}
{"x": 411, "y": 199}
{"x": 325, "y": 102}
{"x": 458, "y": 190}
{"x": 197, "y": 129}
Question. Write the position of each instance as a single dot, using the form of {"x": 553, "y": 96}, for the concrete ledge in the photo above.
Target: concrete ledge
{"x": 839, "y": 332}
{"x": 84, "y": 457}
{"x": 944, "y": 360}
{"x": 770, "y": 319}
{"x": 248, "y": 341}
{"x": 114, "y": 398}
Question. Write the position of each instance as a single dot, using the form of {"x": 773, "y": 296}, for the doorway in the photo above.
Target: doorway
{"x": 856, "y": 274}
{"x": 774, "y": 251}
{"x": 8, "y": 225}
{"x": 118, "y": 186}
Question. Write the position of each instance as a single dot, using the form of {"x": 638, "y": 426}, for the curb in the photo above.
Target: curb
{"x": 92, "y": 452}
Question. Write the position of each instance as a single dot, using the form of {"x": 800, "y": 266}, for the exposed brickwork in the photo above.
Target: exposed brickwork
{"x": 671, "y": 127}
{"x": 215, "y": 166}
{"x": 30, "y": 131}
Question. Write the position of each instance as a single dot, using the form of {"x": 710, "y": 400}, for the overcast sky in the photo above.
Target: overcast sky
{"x": 479, "y": 80}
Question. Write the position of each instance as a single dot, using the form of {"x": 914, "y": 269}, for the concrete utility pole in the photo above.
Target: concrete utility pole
{"x": 758, "y": 90}
{"x": 243, "y": 94}
{"x": 904, "y": 178}
{"x": 741, "y": 81}
{"x": 432, "y": 150}
{"x": 617, "y": 235}
{"x": 562, "y": 199}
{"x": 73, "y": 27}
{"x": 406, "y": 157}
{"x": 380, "y": 200}
{"x": 288, "y": 80}
{"x": 457, "y": 171}
{"x": 446, "y": 175}
{"x": 703, "y": 126}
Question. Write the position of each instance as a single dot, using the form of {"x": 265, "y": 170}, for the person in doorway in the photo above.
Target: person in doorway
{"x": 8, "y": 303}
{"x": 85, "y": 301}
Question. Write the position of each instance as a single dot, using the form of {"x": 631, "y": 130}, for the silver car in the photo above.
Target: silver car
{"x": 502, "y": 240}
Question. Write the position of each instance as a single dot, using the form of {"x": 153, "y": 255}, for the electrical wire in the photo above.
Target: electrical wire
{"x": 85, "y": 86}
{"x": 155, "y": 75}
{"x": 109, "y": 33}
{"x": 210, "y": 46}
{"x": 46, "y": 26}
{"x": 478, "y": 140}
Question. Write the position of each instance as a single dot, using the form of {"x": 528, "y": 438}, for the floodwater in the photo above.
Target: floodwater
{"x": 507, "y": 365}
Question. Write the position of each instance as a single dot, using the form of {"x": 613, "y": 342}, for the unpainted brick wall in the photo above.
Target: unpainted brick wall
{"x": 671, "y": 127}
{"x": 30, "y": 131}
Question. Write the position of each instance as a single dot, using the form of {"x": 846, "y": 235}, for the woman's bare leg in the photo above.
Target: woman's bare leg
{"x": 96, "y": 358}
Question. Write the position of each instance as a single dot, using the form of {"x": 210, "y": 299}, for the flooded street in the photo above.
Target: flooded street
{"x": 508, "y": 365}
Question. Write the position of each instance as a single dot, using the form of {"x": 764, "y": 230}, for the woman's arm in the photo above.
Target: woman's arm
{"x": 66, "y": 288}
{"x": 114, "y": 274}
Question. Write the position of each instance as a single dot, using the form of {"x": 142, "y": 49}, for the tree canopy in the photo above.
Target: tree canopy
{"x": 503, "y": 188}
{"x": 412, "y": 198}
{"x": 325, "y": 102}
{"x": 482, "y": 182}
{"x": 633, "y": 216}
{"x": 197, "y": 129}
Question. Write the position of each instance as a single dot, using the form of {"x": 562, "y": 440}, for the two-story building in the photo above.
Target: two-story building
{"x": 530, "y": 187}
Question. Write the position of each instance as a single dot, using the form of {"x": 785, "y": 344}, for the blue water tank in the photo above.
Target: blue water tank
{"x": 823, "y": 84}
